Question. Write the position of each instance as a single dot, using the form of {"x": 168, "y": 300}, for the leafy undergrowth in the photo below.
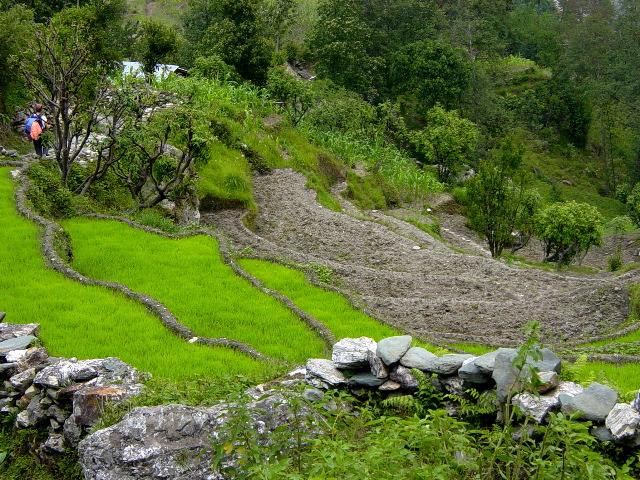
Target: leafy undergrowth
{"x": 331, "y": 308}
{"x": 190, "y": 278}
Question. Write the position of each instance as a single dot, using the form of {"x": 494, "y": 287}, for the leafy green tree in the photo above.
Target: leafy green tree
{"x": 395, "y": 23}
{"x": 62, "y": 69}
{"x": 278, "y": 16}
{"x": 447, "y": 141}
{"x": 339, "y": 43}
{"x": 479, "y": 26}
{"x": 157, "y": 43}
{"x": 156, "y": 153}
{"x": 633, "y": 204}
{"x": 432, "y": 72}
{"x": 500, "y": 208}
{"x": 295, "y": 94}
{"x": 15, "y": 29}
{"x": 233, "y": 30}
{"x": 568, "y": 230}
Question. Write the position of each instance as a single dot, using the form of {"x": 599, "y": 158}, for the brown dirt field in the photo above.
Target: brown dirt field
{"x": 422, "y": 286}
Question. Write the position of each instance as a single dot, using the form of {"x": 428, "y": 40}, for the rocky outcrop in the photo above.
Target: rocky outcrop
{"x": 63, "y": 396}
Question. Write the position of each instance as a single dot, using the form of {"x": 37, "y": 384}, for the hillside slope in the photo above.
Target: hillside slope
{"x": 432, "y": 291}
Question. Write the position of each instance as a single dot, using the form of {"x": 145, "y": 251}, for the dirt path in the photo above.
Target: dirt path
{"x": 409, "y": 279}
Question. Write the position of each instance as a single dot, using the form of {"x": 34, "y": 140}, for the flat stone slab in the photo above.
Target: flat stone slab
{"x": 392, "y": 349}
{"x": 11, "y": 330}
{"x": 17, "y": 343}
{"x": 365, "y": 380}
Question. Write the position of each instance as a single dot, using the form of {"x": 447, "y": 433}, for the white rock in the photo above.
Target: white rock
{"x": 623, "y": 421}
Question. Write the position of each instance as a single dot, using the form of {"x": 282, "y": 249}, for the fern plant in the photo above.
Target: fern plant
{"x": 419, "y": 403}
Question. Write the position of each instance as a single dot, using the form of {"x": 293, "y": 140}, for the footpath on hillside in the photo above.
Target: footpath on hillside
{"x": 410, "y": 280}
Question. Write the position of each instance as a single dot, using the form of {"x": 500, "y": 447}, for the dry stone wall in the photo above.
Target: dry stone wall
{"x": 386, "y": 366}
{"x": 63, "y": 396}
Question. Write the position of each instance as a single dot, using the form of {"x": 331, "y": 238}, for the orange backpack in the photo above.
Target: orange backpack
{"x": 35, "y": 131}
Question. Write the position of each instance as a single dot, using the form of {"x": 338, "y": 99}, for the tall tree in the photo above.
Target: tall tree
{"x": 16, "y": 25}
{"x": 339, "y": 42}
{"x": 278, "y": 17}
{"x": 447, "y": 141}
{"x": 431, "y": 71}
{"x": 157, "y": 43}
{"x": 499, "y": 206}
{"x": 233, "y": 30}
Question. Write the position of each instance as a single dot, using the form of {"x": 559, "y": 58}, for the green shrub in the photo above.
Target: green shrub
{"x": 152, "y": 217}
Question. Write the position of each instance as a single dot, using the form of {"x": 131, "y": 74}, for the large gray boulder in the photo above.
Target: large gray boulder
{"x": 509, "y": 379}
{"x": 595, "y": 403}
{"x": 353, "y": 353}
{"x": 392, "y": 349}
{"x": 446, "y": 364}
{"x": 487, "y": 361}
{"x": 175, "y": 441}
{"x": 169, "y": 441}
{"x": 417, "y": 357}
{"x": 471, "y": 373}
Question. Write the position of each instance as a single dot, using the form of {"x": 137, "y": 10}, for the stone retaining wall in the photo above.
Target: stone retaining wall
{"x": 386, "y": 366}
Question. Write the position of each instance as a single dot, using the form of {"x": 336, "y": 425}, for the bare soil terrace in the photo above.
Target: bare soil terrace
{"x": 422, "y": 286}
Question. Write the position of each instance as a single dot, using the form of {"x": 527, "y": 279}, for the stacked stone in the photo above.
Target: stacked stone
{"x": 386, "y": 366}
{"x": 66, "y": 396}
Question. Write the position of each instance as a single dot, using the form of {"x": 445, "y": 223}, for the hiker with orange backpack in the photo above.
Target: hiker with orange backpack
{"x": 33, "y": 128}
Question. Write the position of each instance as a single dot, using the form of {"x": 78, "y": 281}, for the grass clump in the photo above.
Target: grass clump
{"x": 190, "y": 278}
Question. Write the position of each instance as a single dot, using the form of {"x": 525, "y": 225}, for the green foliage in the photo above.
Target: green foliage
{"x": 15, "y": 25}
{"x": 17, "y": 461}
{"x": 157, "y": 44}
{"x": 498, "y": 207}
{"x": 294, "y": 94}
{"x": 568, "y": 230}
{"x": 447, "y": 141}
{"x": 232, "y": 30}
{"x": 212, "y": 67}
{"x": 47, "y": 195}
{"x": 633, "y": 204}
{"x": 431, "y": 71}
{"x": 371, "y": 191}
{"x": 339, "y": 42}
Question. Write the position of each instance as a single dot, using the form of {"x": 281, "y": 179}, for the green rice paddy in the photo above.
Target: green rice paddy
{"x": 190, "y": 278}
{"x": 94, "y": 322}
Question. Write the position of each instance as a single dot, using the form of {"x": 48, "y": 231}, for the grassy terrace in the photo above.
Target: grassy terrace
{"x": 189, "y": 277}
{"x": 93, "y": 322}
{"x": 331, "y": 308}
